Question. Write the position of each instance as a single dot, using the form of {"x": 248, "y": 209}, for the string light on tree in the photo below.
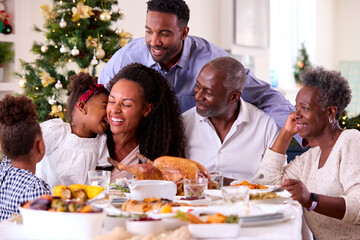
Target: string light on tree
{"x": 105, "y": 16}
{"x": 121, "y": 12}
{"x": 117, "y": 31}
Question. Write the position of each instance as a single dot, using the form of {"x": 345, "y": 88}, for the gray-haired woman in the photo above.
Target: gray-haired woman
{"x": 326, "y": 179}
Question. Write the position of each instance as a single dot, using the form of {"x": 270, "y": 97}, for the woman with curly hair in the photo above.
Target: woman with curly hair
{"x": 23, "y": 147}
{"x": 72, "y": 149}
{"x": 326, "y": 179}
{"x": 144, "y": 116}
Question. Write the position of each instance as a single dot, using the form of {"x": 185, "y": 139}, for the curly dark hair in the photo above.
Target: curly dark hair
{"x": 334, "y": 89}
{"x": 177, "y": 7}
{"x": 161, "y": 132}
{"x": 19, "y": 125}
{"x": 79, "y": 83}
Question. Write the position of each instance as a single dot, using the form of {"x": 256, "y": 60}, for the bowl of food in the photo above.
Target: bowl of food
{"x": 160, "y": 189}
{"x": 145, "y": 225}
{"x": 168, "y": 216}
{"x": 112, "y": 221}
{"x": 52, "y": 218}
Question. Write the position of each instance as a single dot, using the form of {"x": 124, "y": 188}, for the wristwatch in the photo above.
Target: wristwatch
{"x": 314, "y": 198}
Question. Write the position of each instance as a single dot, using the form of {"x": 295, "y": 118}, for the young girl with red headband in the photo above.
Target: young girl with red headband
{"x": 74, "y": 148}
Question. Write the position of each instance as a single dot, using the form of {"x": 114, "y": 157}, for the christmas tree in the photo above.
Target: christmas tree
{"x": 78, "y": 36}
{"x": 302, "y": 62}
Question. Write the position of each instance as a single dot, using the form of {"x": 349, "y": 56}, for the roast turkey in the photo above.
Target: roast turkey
{"x": 166, "y": 168}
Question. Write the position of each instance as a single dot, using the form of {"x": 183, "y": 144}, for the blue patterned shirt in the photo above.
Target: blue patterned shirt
{"x": 18, "y": 186}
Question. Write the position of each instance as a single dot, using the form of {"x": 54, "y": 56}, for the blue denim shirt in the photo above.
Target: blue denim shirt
{"x": 182, "y": 76}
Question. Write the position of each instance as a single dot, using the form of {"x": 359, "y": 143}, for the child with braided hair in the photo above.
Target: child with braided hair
{"x": 72, "y": 149}
{"x": 23, "y": 147}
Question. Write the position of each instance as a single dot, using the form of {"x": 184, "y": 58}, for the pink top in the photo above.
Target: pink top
{"x": 130, "y": 159}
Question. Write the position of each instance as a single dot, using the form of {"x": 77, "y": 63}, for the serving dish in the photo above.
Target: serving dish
{"x": 141, "y": 189}
{"x": 284, "y": 196}
{"x": 61, "y": 225}
{"x": 144, "y": 227}
{"x": 169, "y": 220}
{"x": 113, "y": 221}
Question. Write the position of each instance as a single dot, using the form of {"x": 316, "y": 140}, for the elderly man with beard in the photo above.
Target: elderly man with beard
{"x": 224, "y": 132}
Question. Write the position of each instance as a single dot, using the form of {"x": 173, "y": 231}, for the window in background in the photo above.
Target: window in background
{"x": 351, "y": 71}
{"x": 291, "y": 23}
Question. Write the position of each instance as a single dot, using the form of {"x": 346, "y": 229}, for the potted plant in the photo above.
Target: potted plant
{"x": 6, "y": 56}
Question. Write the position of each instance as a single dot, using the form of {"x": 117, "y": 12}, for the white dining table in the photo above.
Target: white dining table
{"x": 288, "y": 229}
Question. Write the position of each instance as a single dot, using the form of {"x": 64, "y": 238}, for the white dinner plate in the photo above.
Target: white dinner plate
{"x": 265, "y": 220}
{"x": 279, "y": 200}
{"x": 265, "y": 214}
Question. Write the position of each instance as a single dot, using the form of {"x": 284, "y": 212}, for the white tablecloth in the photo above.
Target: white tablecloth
{"x": 290, "y": 229}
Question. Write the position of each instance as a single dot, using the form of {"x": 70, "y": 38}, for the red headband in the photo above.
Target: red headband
{"x": 93, "y": 89}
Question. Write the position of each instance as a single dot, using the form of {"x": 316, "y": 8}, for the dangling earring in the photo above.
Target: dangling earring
{"x": 330, "y": 120}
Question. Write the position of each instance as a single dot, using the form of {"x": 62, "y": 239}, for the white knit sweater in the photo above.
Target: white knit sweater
{"x": 339, "y": 177}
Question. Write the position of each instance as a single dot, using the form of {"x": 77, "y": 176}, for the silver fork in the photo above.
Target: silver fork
{"x": 257, "y": 178}
{"x": 278, "y": 189}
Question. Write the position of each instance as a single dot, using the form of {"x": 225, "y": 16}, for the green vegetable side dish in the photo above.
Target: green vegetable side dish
{"x": 232, "y": 219}
{"x": 181, "y": 215}
{"x": 117, "y": 187}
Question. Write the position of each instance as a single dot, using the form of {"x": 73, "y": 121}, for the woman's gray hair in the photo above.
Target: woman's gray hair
{"x": 334, "y": 89}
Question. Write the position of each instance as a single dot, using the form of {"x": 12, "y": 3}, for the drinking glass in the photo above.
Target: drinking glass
{"x": 195, "y": 188}
{"x": 99, "y": 178}
{"x": 217, "y": 177}
{"x": 235, "y": 195}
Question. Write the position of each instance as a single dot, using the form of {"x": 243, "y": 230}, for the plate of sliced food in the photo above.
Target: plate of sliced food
{"x": 270, "y": 197}
{"x": 252, "y": 186}
{"x": 148, "y": 204}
